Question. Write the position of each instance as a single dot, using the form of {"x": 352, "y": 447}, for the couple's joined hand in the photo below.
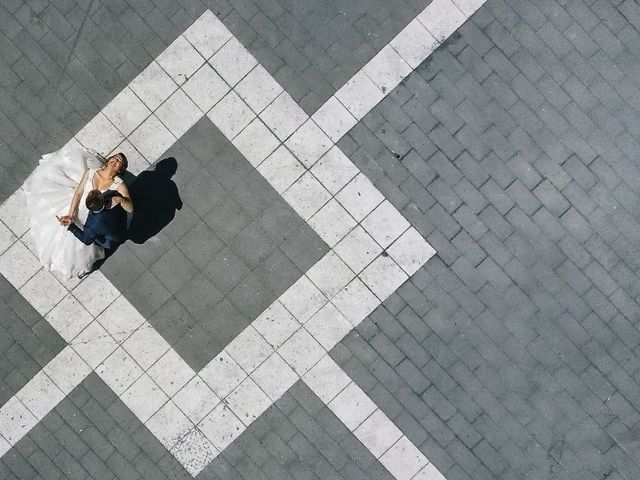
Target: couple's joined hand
{"x": 64, "y": 220}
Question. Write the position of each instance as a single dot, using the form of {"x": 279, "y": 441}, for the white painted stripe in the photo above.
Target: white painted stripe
{"x": 392, "y": 64}
{"x": 403, "y": 460}
{"x": 7, "y": 238}
{"x": 41, "y": 394}
{"x": 469, "y": 7}
{"x": 442, "y": 18}
{"x": 43, "y": 291}
{"x": 16, "y": 420}
{"x": 67, "y": 370}
{"x": 5, "y": 446}
{"x": 194, "y": 451}
{"x": 367, "y": 422}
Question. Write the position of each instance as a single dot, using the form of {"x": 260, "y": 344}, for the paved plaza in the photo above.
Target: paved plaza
{"x": 405, "y": 242}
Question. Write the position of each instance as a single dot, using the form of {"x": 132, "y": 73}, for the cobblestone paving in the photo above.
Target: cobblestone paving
{"x": 514, "y": 353}
{"x": 511, "y": 354}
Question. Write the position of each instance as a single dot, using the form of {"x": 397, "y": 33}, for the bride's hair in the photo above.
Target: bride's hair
{"x": 125, "y": 162}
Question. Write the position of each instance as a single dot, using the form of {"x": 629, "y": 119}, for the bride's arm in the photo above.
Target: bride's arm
{"x": 77, "y": 195}
{"x": 125, "y": 200}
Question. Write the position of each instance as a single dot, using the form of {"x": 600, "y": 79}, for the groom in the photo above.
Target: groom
{"x": 106, "y": 224}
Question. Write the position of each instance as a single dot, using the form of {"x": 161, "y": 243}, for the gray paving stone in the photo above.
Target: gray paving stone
{"x": 568, "y": 217}
{"x": 199, "y": 244}
{"x": 147, "y": 294}
{"x": 173, "y": 321}
{"x": 173, "y": 270}
{"x": 198, "y": 296}
{"x": 228, "y": 219}
{"x": 250, "y": 296}
{"x": 225, "y": 270}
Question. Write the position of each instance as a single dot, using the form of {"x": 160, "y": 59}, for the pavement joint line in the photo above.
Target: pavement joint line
{"x": 368, "y": 423}
{"x": 95, "y": 345}
{"x": 75, "y": 41}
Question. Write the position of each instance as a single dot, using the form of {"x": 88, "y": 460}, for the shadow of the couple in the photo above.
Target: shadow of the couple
{"x": 155, "y": 200}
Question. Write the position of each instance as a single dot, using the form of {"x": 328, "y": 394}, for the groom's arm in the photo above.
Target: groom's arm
{"x": 86, "y": 236}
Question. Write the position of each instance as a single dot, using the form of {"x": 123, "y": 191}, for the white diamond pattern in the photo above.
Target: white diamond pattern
{"x": 141, "y": 370}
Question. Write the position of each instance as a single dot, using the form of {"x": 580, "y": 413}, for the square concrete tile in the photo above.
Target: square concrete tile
{"x": 225, "y": 270}
{"x": 147, "y": 294}
{"x": 200, "y": 244}
{"x": 251, "y": 297}
{"x": 123, "y": 268}
{"x": 198, "y": 296}
{"x": 281, "y": 221}
{"x": 204, "y": 141}
{"x": 304, "y": 248}
{"x": 195, "y": 346}
{"x": 150, "y": 251}
{"x": 227, "y": 219}
{"x": 224, "y": 321}
{"x": 228, "y": 166}
{"x": 202, "y": 193}
{"x": 173, "y": 270}
{"x": 278, "y": 272}
{"x": 184, "y": 220}
{"x": 173, "y": 321}
{"x": 252, "y": 245}
{"x": 254, "y": 194}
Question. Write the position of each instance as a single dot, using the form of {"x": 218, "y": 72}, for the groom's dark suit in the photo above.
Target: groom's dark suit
{"x": 107, "y": 228}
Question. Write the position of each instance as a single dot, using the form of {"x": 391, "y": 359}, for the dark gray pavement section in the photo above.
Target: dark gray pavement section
{"x": 62, "y": 61}
{"x": 233, "y": 249}
{"x": 513, "y": 354}
{"x": 27, "y": 341}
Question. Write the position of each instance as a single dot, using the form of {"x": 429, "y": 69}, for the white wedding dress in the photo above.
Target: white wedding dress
{"x": 49, "y": 191}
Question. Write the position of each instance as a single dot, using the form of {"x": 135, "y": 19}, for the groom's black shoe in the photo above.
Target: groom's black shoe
{"x": 82, "y": 275}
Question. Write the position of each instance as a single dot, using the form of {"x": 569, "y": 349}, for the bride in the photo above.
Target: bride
{"x": 56, "y": 193}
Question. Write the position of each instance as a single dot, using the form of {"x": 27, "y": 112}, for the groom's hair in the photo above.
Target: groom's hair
{"x": 95, "y": 201}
